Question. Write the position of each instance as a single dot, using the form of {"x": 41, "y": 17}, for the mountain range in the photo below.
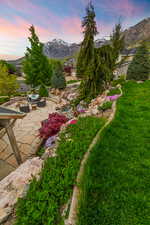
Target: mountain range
{"x": 61, "y": 49}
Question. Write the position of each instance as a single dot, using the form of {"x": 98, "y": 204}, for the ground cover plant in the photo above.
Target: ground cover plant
{"x": 3, "y": 100}
{"x": 45, "y": 198}
{"x": 115, "y": 91}
{"x": 105, "y": 106}
{"x": 115, "y": 185}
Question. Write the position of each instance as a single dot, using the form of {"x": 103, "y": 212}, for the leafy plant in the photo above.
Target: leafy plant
{"x": 46, "y": 197}
{"x": 115, "y": 91}
{"x": 121, "y": 80}
{"x": 52, "y": 125}
{"x": 8, "y": 82}
{"x": 105, "y": 106}
{"x": 139, "y": 69}
{"x": 40, "y": 151}
{"x": 3, "y": 100}
{"x": 43, "y": 92}
{"x": 58, "y": 79}
{"x": 11, "y": 68}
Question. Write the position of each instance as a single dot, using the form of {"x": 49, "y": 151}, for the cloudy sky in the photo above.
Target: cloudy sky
{"x": 61, "y": 19}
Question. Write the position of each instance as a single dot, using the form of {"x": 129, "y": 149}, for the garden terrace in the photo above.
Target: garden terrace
{"x": 47, "y": 198}
{"x": 115, "y": 185}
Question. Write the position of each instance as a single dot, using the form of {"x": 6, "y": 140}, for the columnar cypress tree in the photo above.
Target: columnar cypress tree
{"x": 117, "y": 42}
{"x": 36, "y": 66}
{"x": 86, "y": 53}
{"x": 139, "y": 69}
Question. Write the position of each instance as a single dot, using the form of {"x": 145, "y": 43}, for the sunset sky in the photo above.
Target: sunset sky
{"x": 61, "y": 19}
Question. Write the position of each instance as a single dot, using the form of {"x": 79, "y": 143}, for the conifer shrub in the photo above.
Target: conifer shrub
{"x": 139, "y": 69}
{"x": 43, "y": 92}
{"x": 58, "y": 80}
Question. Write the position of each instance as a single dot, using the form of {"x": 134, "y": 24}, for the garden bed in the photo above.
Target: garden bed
{"x": 115, "y": 185}
{"x": 47, "y": 197}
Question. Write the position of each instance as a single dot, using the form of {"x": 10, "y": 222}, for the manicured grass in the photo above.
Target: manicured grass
{"x": 46, "y": 197}
{"x": 116, "y": 183}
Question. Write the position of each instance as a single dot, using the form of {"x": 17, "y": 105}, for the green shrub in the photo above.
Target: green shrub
{"x": 139, "y": 69}
{"x": 43, "y": 92}
{"x": 3, "y": 100}
{"x": 115, "y": 91}
{"x": 120, "y": 81}
{"x": 105, "y": 106}
{"x": 46, "y": 197}
{"x": 40, "y": 151}
{"x": 58, "y": 78}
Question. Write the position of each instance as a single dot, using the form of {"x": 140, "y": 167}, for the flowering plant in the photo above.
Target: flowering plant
{"x": 52, "y": 125}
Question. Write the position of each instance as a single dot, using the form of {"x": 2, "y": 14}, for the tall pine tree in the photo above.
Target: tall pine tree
{"x": 36, "y": 65}
{"x": 139, "y": 69}
{"x": 86, "y": 53}
{"x": 117, "y": 43}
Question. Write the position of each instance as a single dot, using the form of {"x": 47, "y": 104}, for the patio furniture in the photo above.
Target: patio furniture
{"x": 7, "y": 120}
{"x": 24, "y": 108}
{"x": 33, "y": 98}
{"x": 41, "y": 103}
{"x": 34, "y": 107}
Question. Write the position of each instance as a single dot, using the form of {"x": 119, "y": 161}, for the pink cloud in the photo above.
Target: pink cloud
{"x": 71, "y": 26}
{"x": 121, "y": 7}
{"x": 19, "y": 29}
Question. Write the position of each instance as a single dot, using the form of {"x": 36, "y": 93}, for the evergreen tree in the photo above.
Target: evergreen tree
{"x": 36, "y": 66}
{"x": 117, "y": 43}
{"x": 86, "y": 53}
{"x": 43, "y": 92}
{"x": 139, "y": 69}
{"x": 58, "y": 78}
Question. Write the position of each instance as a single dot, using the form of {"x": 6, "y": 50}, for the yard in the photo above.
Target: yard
{"x": 116, "y": 183}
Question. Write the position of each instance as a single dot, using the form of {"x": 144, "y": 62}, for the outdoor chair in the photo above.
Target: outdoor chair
{"x": 41, "y": 103}
{"x": 24, "y": 108}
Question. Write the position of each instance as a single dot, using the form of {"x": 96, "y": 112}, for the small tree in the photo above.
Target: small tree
{"x": 11, "y": 68}
{"x": 8, "y": 82}
{"x": 117, "y": 43}
{"x": 43, "y": 92}
{"x": 58, "y": 78}
{"x": 139, "y": 69}
{"x": 36, "y": 66}
{"x": 86, "y": 53}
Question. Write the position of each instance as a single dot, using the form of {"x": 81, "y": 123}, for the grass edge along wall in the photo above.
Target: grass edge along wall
{"x": 46, "y": 197}
{"x": 116, "y": 182}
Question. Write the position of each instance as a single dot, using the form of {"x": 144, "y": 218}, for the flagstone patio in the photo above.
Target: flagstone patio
{"x": 26, "y": 133}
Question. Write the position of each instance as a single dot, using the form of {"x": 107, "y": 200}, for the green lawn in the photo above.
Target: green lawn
{"x": 46, "y": 197}
{"x": 116, "y": 182}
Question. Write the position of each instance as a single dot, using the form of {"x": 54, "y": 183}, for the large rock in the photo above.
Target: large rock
{"x": 16, "y": 184}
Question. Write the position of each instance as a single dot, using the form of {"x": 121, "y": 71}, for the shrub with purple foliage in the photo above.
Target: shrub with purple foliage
{"x": 52, "y": 125}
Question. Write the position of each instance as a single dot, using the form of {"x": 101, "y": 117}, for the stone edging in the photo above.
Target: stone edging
{"x": 72, "y": 218}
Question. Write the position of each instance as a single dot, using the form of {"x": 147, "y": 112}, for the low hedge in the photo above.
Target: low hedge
{"x": 46, "y": 197}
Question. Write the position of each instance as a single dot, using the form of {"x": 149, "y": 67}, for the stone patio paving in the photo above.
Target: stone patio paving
{"x": 26, "y": 133}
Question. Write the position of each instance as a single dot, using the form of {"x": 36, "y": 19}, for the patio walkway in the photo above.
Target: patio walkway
{"x": 26, "y": 132}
